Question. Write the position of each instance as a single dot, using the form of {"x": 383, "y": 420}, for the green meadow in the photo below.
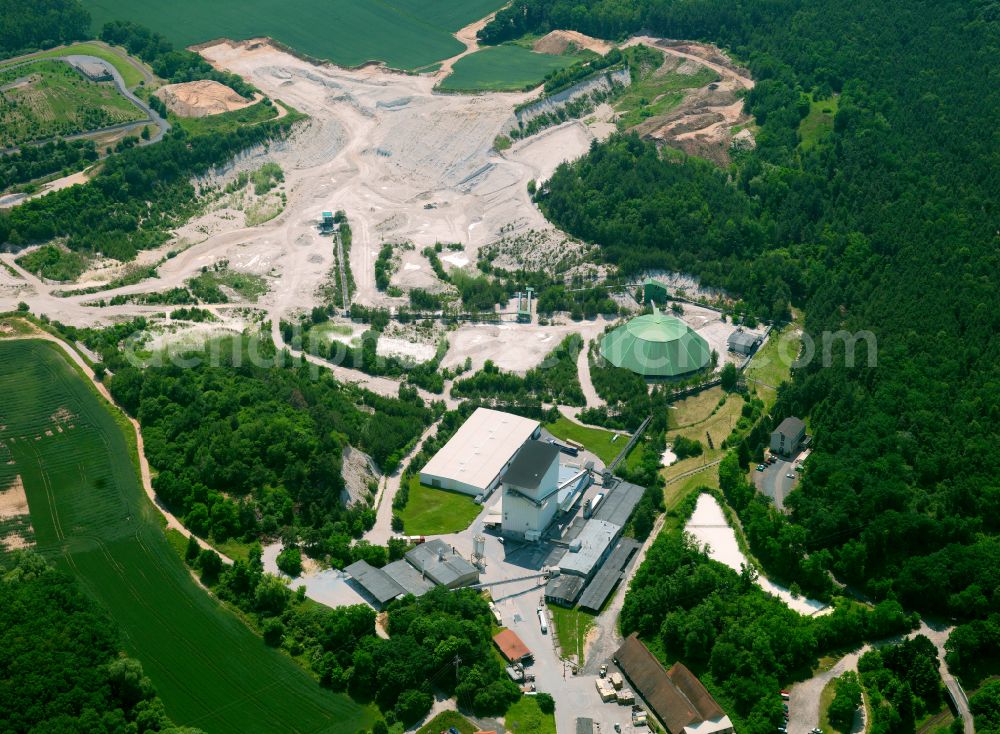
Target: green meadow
{"x": 92, "y": 519}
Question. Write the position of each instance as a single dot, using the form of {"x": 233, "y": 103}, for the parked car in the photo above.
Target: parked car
{"x": 760, "y": 467}
{"x": 790, "y": 475}
{"x": 604, "y": 670}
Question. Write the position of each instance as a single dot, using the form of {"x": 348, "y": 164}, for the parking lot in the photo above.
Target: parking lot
{"x": 777, "y": 481}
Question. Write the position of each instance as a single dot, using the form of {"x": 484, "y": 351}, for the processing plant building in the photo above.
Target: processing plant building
{"x": 656, "y": 345}
{"x": 479, "y": 453}
{"x": 530, "y": 491}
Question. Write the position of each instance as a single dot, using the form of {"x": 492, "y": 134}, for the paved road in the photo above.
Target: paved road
{"x": 775, "y": 482}
{"x": 382, "y": 529}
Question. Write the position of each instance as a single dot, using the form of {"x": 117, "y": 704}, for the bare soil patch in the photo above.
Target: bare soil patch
{"x": 13, "y": 501}
{"x": 201, "y": 98}
{"x": 558, "y": 42}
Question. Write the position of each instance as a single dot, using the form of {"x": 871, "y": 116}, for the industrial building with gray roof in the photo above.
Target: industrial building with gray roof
{"x": 409, "y": 578}
{"x": 564, "y": 590}
{"x": 529, "y": 466}
{"x": 374, "y": 582}
{"x": 618, "y": 503}
{"x": 589, "y": 548}
{"x": 599, "y": 589}
{"x": 439, "y": 562}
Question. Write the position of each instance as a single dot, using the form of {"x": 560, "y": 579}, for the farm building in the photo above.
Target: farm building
{"x": 476, "y": 457}
{"x": 439, "y": 562}
{"x": 511, "y": 646}
{"x": 656, "y": 345}
{"x": 530, "y": 491}
{"x": 676, "y": 697}
{"x": 787, "y": 437}
{"x": 742, "y": 342}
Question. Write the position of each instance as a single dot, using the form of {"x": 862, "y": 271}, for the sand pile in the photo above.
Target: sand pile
{"x": 556, "y": 42}
{"x": 200, "y": 98}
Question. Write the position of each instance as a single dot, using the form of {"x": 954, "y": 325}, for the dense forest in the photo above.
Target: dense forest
{"x": 35, "y": 161}
{"x": 61, "y": 666}
{"x": 243, "y": 451}
{"x": 888, "y": 224}
{"x": 38, "y": 24}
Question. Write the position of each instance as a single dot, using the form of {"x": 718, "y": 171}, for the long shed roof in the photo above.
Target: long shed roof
{"x": 677, "y": 698}
{"x": 375, "y": 581}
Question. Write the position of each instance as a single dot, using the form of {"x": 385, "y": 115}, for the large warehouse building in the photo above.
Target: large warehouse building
{"x": 476, "y": 457}
{"x": 656, "y": 345}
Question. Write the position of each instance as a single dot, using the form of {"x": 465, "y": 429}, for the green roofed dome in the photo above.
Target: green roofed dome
{"x": 656, "y": 345}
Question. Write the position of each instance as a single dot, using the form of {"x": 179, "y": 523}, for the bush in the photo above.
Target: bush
{"x": 290, "y": 561}
{"x": 846, "y": 700}
{"x": 274, "y": 631}
{"x": 546, "y": 703}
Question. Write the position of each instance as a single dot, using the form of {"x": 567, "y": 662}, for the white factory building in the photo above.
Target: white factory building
{"x": 475, "y": 459}
{"x": 530, "y": 491}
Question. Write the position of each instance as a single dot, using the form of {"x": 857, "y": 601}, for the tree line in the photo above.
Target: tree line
{"x": 62, "y": 662}
{"x": 40, "y": 24}
{"x": 743, "y": 643}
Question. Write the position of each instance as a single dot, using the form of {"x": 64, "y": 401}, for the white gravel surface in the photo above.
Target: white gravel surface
{"x": 709, "y": 526}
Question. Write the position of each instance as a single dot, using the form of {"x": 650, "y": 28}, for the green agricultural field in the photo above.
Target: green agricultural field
{"x": 597, "y": 440}
{"x": 125, "y": 65}
{"x": 406, "y": 34}
{"x": 503, "y": 69}
{"x": 92, "y": 519}
{"x": 46, "y": 98}
{"x": 431, "y": 511}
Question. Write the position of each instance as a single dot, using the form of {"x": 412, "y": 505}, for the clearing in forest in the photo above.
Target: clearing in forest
{"x": 92, "y": 519}
{"x": 405, "y": 34}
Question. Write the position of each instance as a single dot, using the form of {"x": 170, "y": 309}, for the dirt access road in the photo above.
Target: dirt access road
{"x": 804, "y": 704}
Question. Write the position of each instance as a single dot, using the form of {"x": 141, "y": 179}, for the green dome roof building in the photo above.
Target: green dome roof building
{"x": 656, "y": 345}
